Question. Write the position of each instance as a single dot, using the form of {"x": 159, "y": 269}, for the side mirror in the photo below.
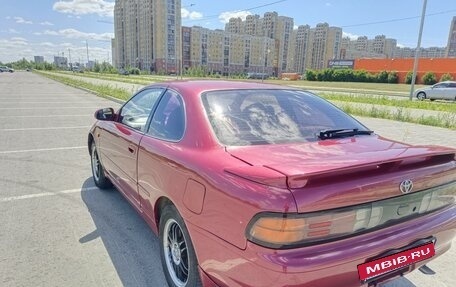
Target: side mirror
{"x": 106, "y": 114}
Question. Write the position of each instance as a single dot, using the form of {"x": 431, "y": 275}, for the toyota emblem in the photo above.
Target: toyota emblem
{"x": 406, "y": 186}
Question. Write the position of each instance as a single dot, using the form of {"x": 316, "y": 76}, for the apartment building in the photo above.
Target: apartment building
{"x": 451, "y": 45}
{"x": 325, "y": 44}
{"x": 227, "y": 53}
{"x": 299, "y": 44}
{"x": 379, "y": 47}
{"x": 431, "y": 52}
{"x": 39, "y": 59}
{"x": 148, "y": 35}
{"x": 273, "y": 26}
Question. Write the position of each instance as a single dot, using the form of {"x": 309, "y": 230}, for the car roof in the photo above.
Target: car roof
{"x": 197, "y": 87}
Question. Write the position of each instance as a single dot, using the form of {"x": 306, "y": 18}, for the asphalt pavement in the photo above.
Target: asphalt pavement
{"x": 58, "y": 229}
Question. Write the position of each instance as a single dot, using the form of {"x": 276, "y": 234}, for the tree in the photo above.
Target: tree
{"x": 429, "y": 78}
{"x": 446, "y": 77}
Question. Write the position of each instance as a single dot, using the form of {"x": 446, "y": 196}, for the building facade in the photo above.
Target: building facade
{"x": 324, "y": 45}
{"x": 378, "y": 48}
{"x": 225, "y": 53}
{"x": 148, "y": 35}
{"x": 297, "y": 52}
{"x": 39, "y": 59}
{"x": 61, "y": 62}
{"x": 431, "y": 52}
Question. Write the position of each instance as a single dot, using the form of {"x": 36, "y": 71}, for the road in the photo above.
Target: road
{"x": 57, "y": 229}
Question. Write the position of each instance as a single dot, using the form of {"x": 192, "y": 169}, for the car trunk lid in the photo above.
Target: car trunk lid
{"x": 343, "y": 172}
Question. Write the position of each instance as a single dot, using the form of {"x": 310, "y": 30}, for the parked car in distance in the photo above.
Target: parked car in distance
{"x": 440, "y": 91}
{"x": 6, "y": 69}
{"x": 77, "y": 70}
{"x": 248, "y": 184}
{"x": 124, "y": 72}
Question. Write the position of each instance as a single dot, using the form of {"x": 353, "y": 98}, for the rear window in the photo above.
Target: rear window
{"x": 252, "y": 117}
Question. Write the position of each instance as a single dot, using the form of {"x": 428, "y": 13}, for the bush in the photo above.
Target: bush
{"x": 408, "y": 77}
{"x": 393, "y": 78}
{"x": 360, "y": 76}
{"x": 446, "y": 77}
{"x": 382, "y": 77}
{"x": 135, "y": 71}
{"x": 429, "y": 78}
{"x": 311, "y": 75}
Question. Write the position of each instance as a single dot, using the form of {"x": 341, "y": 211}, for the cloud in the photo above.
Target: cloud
{"x": 399, "y": 45}
{"x": 46, "y": 44}
{"x": 192, "y": 15}
{"x": 327, "y": 4}
{"x": 350, "y": 35}
{"x": 18, "y": 39}
{"x": 48, "y": 32}
{"x": 17, "y": 48}
{"x": 46, "y": 23}
{"x": 83, "y": 7}
{"x": 13, "y": 31}
{"x": 225, "y": 16}
{"x": 76, "y": 34}
{"x": 21, "y": 20}
{"x": 295, "y": 27}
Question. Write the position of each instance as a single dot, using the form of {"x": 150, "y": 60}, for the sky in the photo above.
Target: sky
{"x": 67, "y": 27}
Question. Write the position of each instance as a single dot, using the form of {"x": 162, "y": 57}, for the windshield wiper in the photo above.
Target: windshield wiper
{"x": 340, "y": 133}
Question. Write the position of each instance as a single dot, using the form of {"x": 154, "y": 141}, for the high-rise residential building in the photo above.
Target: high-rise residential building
{"x": 273, "y": 26}
{"x": 297, "y": 51}
{"x": 383, "y": 45}
{"x": 148, "y": 35}
{"x": 325, "y": 44}
{"x": 451, "y": 45}
{"x": 39, "y": 59}
{"x": 253, "y": 25}
{"x": 431, "y": 52}
{"x": 227, "y": 53}
{"x": 61, "y": 62}
{"x": 235, "y": 25}
{"x": 362, "y": 47}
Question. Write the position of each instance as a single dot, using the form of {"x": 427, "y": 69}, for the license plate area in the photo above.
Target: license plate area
{"x": 396, "y": 261}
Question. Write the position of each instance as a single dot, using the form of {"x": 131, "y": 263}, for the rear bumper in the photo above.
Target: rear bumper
{"x": 321, "y": 265}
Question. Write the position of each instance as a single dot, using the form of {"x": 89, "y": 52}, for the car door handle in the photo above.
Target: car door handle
{"x": 131, "y": 149}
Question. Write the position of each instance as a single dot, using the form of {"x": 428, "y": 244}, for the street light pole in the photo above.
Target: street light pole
{"x": 417, "y": 51}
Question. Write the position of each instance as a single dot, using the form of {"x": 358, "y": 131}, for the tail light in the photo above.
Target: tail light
{"x": 285, "y": 230}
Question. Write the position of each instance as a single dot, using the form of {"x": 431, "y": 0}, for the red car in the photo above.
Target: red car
{"x": 261, "y": 185}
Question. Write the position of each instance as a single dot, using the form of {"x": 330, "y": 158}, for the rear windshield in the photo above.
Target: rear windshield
{"x": 252, "y": 117}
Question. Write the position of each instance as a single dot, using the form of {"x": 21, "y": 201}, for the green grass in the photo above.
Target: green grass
{"x": 387, "y": 101}
{"x": 400, "y": 114}
{"x": 378, "y": 87}
{"x": 110, "y": 77}
{"x": 100, "y": 90}
{"x": 445, "y": 120}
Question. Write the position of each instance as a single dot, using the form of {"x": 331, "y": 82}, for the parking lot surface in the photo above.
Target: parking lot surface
{"x": 58, "y": 229}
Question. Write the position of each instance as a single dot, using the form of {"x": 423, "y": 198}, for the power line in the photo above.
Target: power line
{"x": 398, "y": 19}
{"x": 248, "y": 9}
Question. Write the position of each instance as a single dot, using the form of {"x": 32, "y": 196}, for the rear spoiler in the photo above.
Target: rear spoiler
{"x": 303, "y": 172}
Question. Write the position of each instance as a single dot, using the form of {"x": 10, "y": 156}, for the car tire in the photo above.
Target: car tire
{"x": 99, "y": 177}
{"x": 176, "y": 250}
{"x": 421, "y": 96}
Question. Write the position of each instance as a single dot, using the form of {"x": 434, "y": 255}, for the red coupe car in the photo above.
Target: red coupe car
{"x": 249, "y": 184}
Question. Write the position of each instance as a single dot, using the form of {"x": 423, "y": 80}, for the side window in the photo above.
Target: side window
{"x": 137, "y": 110}
{"x": 452, "y": 85}
{"x": 440, "y": 86}
{"x": 168, "y": 122}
